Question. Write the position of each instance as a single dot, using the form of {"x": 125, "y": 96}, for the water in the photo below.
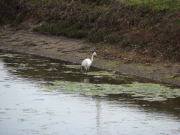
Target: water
{"x": 27, "y": 106}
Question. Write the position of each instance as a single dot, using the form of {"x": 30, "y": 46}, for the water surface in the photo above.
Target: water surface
{"x": 31, "y": 102}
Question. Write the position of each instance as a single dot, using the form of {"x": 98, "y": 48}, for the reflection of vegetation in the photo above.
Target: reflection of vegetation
{"x": 73, "y": 66}
{"x": 39, "y": 68}
{"x": 103, "y": 73}
{"x": 143, "y": 91}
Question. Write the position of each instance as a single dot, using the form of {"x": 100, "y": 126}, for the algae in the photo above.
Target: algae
{"x": 107, "y": 64}
{"x": 169, "y": 76}
{"x": 140, "y": 91}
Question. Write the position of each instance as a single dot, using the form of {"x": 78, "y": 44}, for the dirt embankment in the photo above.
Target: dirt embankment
{"x": 75, "y": 50}
{"x": 139, "y": 31}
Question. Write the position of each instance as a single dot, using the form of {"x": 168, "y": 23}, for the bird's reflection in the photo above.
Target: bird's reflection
{"x": 85, "y": 79}
{"x": 98, "y": 105}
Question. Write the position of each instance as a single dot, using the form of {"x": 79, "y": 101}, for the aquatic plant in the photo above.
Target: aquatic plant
{"x": 140, "y": 91}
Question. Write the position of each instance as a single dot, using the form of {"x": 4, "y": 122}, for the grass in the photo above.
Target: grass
{"x": 72, "y": 31}
{"x": 110, "y": 64}
{"x": 96, "y": 35}
{"x": 157, "y": 5}
{"x": 133, "y": 24}
{"x": 7, "y": 12}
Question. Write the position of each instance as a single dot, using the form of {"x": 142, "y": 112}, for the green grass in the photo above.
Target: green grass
{"x": 47, "y": 2}
{"x": 157, "y": 5}
{"x": 110, "y": 64}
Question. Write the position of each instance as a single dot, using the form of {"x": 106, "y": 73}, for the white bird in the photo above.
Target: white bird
{"x": 86, "y": 63}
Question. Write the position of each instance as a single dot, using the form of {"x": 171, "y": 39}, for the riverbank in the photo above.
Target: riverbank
{"x": 75, "y": 50}
{"x": 137, "y": 30}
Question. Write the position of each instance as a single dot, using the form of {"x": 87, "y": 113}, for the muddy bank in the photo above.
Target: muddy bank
{"x": 75, "y": 51}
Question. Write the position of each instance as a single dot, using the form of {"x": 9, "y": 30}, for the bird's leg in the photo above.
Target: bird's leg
{"x": 81, "y": 69}
{"x": 87, "y": 69}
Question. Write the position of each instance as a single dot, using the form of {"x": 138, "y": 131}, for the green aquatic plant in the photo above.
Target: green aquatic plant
{"x": 169, "y": 76}
{"x": 141, "y": 91}
{"x": 110, "y": 64}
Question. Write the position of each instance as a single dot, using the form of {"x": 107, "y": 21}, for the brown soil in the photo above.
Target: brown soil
{"x": 74, "y": 50}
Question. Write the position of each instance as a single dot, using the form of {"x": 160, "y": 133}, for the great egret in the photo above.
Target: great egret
{"x": 86, "y": 63}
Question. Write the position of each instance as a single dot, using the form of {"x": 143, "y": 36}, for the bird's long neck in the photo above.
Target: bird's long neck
{"x": 92, "y": 58}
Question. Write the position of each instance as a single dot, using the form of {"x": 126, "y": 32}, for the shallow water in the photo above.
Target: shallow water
{"x": 35, "y": 98}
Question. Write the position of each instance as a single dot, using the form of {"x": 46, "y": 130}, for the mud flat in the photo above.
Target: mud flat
{"x": 74, "y": 50}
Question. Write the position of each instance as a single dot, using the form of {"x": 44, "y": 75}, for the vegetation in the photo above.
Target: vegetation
{"x": 8, "y": 11}
{"x": 137, "y": 27}
{"x": 157, "y": 5}
{"x": 141, "y": 91}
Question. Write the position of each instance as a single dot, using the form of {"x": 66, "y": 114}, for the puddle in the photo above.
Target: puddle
{"x": 44, "y": 96}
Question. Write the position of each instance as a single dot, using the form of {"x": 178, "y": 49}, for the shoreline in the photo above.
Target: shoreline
{"x": 75, "y": 50}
